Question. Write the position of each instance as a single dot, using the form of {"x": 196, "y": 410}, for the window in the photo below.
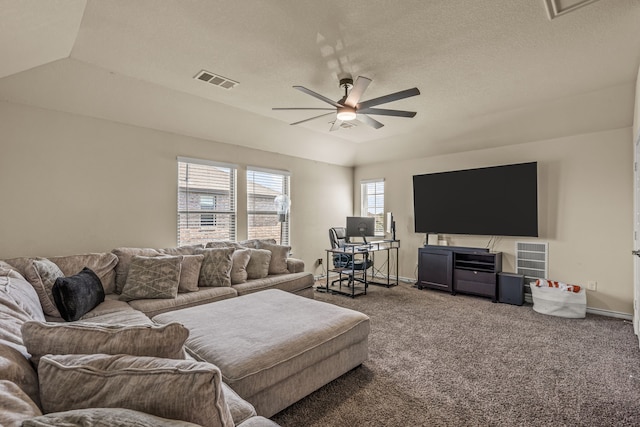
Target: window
{"x": 206, "y": 201}
{"x": 263, "y": 186}
{"x": 373, "y": 202}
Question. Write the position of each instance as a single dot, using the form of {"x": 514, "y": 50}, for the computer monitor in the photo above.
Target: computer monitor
{"x": 361, "y": 226}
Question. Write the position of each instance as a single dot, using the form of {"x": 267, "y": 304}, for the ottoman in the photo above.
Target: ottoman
{"x": 273, "y": 347}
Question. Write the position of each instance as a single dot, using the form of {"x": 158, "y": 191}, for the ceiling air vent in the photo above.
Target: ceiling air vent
{"x": 344, "y": 125}
{"x": 216, "y": 80}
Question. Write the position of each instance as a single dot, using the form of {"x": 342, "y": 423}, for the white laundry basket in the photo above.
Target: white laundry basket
{"x": 558, "y": 302}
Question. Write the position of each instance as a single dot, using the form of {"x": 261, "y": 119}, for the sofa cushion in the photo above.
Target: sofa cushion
{"x": 217, "y": 244}
{"x": 240, "y": 409}
{"x": 190, "y": 273}
{"x": 103, "y": 264}
{"x": 103, "y": 417}
{"x": 15, "y": 367}
{"x": 181, "y": 250}
{"x": 258, "y": 266}
{"x": 293, "y": 283}
{"x": 18, "y": 304}
{"x": 42, "y": 275}
{"x": 153, "y": 307}
{"x": 279, "y": 255}
{"x": 124, "y": 260}
{"x": 43, "y": 338}
{"x": 182, "y": 389}
{"x": 254, "y": 243}
{"x": 152, "y": 277}
{"x": 216, "y": 267}
{"x": 76, "y": 295}
{"x": 15, "y": 405}
{"x": 240, "y": 259}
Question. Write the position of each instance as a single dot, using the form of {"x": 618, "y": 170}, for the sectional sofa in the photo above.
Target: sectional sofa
{"x": 231, "y": 341}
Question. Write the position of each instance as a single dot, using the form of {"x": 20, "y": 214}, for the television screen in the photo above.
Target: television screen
{"x": 493, "y": 201}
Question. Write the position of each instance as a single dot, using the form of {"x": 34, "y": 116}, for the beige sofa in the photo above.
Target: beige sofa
{"x": 25, "y": 299}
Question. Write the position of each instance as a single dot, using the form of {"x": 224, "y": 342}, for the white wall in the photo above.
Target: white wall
{"x": 72, "y": 184}
{"x": 585, "y": 205}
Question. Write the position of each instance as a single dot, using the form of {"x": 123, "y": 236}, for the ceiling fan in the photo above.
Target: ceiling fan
{"x": 350, "y": 108}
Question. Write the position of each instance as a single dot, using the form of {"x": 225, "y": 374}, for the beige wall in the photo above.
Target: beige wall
{"x": 72, "y": 184}
{"x": 585, "y": 206}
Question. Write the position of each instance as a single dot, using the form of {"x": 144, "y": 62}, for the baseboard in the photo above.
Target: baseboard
{"x": 597, "y": 311}
{"x": 609, "y": 313}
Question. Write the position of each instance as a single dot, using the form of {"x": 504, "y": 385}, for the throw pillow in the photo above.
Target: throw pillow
{"x": 152, "y": 278}
{"x": 42, "y": 338}
{"x": 182, "y": 250}
{"x": 258, "y": 266}
{"x": 217, "y": 244}
{"x": 103, "y": 264}
{"x": 216, "y": 267}
{"x": 253, "y": 243}
{"x": 176, "y": 389}
{"x": 78, "y": 294}
{"x": 240, "y": 259}
{"x": 125, "y": 255}
{"x": 279, "y": 255}
{"x": 42, "y": 275}
{"x": 103, "y": 417}
{"x": 190, "y": 273}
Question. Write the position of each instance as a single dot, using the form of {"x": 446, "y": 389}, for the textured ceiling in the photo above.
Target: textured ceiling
{"x": 491, "y": 73}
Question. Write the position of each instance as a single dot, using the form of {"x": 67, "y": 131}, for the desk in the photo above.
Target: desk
{"x": 360, "y": 280}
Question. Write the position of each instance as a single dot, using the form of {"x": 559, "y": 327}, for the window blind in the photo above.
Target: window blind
{"x": 206, "y": 201}
{"x": 372, "y": 197}
{"x": 263, "y": 186}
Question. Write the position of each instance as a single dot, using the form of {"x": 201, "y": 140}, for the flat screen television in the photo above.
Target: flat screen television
{"x": 492, "y": 201}
{"x": 361, "y": 226}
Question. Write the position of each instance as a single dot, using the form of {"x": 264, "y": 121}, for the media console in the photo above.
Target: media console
{"x": 459, "y": 269}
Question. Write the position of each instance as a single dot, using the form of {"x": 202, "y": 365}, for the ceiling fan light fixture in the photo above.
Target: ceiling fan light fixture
{"x": 346, "y": 114}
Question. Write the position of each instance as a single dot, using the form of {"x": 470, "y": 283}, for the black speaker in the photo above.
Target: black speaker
{"x": 511, "y": 288}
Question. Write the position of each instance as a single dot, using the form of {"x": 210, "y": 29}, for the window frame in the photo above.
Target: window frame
{"x": 285, "y": 227}
{"x": 187, "y": 232}
{"x": 365, "y": 195}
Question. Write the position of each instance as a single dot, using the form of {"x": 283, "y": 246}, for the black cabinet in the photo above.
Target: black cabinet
{"x": 458, "y": 269}
{"x": 435, "y": 269}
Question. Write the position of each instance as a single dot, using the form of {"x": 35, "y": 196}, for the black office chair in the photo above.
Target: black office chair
{"x": 345, "y": 261}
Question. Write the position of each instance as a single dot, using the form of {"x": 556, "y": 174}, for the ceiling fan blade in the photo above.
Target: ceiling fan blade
{"x": 385, "y": 112}
{"x": 317, "y": 95}
{"x": 361, "y": 84}
{"x": 369, "y": 121}
{"x": 389, "y": 98}
{"x": 296, "y": 108}
{"x": 312, "y": 118}
{"x": 336, "y": 125}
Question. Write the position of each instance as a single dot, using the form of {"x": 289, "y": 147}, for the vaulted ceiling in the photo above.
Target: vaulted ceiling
{"x": 491, "y": 73}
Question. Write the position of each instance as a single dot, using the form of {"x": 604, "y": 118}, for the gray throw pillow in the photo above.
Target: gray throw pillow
{"x": 279, "y": 255}
{"x": 258, "y": 266}
{"x": 183, "y": 390}
{"x": 216, "y": 267}
{"x": 103, "y": 417}
{"x": 152, "y": 278}
{"x": 240, "y": 259}
{"x": 42, "y": 274}
{"x": 42, "y": 338}
{"x": 190, "y": 273}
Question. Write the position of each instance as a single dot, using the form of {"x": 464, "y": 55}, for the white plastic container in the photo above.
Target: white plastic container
{"x": 558, "y": 302}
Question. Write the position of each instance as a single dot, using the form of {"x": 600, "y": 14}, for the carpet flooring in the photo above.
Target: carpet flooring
{"x": 442, "y": 360}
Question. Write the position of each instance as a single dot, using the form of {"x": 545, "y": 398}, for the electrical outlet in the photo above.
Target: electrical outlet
{"x": 592, "y": 285}
{"x": 319, "y": 261}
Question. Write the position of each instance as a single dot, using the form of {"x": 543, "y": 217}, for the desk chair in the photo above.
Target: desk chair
{"x": 338, "y": 238}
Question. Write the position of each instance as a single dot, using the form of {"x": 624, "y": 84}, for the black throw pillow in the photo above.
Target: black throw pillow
{"x": 78, "y": 294}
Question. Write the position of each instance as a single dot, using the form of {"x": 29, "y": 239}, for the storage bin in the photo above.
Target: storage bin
{"x": 558, "y": 302}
